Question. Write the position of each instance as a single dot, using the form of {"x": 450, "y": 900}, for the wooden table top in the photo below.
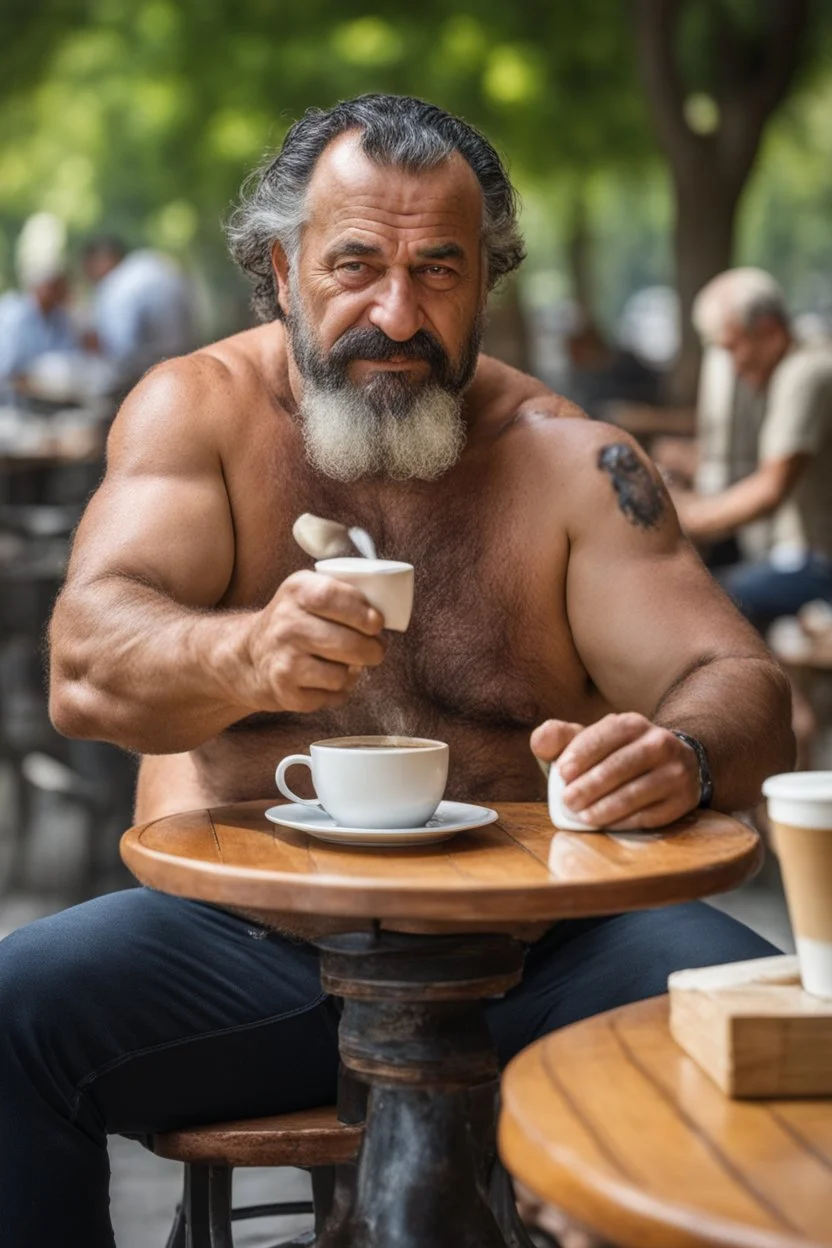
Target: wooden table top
{"x": 646, "y": 420}
{"x": 518, "y": 869}
{"x": 611, "y": 1122}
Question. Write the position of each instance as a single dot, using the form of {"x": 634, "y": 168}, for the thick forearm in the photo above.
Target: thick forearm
{"x": 739, "y": 707}
{"x": 130, "y": 666}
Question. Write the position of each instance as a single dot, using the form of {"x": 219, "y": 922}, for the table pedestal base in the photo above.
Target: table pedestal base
{"x": 414, "y": 1030}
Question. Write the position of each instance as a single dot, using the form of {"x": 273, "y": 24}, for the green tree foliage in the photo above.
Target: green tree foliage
{"x": 147, "y": 114}
{"x": 144, "y": 115}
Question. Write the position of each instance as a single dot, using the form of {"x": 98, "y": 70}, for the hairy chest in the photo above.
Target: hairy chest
{"x": 489, "y": 643}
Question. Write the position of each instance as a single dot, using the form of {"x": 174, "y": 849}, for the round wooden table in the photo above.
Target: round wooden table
{"x": 416, "y": 940}
{"x": 611, "y": 1122}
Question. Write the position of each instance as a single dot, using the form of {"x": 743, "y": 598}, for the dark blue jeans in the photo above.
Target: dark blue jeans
{"x": 764, "y": 592}
{"x": 138, "y": 1012}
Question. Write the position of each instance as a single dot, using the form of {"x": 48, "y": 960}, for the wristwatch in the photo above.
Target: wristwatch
{"x": 706, "y": 783}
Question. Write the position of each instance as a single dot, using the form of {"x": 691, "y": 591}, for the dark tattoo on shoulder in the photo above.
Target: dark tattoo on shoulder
{"x": 640, "y": 498}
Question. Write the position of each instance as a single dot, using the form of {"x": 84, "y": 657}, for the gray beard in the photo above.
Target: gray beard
{"x": 388, "y": 427}
{"x": 350, "y": 434}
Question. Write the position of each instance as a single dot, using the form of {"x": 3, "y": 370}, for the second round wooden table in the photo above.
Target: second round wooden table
{"x": 416, "y": 940}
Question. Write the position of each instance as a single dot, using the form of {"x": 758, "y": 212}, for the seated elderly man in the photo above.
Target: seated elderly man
{"x": 555, "y": 593}
{"x": 769, "y": 452}
{"x": 34, "y": 321}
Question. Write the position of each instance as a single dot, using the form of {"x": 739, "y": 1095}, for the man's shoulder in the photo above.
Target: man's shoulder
{"x": 572, "y": 445}
{"x": 212, "y": 391}
{"x": 807, "y": 365}
{"x": 230, "y": 367}
{"x": 546, "y": 431}
{"x": 15, "y": 306}
{"x": 506, "y": 398}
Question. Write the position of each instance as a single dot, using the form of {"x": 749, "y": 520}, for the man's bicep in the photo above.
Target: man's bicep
{"x": 642, "y": 608}
{"x": 162, "y": 513}
{"x": 174, "y": 534}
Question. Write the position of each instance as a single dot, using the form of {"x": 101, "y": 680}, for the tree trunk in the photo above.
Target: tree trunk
{"x": 705, "y": 217}
{"x": 579, "y": 256}
{"x": 506, "y": 336}
{"x": 753, "y": 72}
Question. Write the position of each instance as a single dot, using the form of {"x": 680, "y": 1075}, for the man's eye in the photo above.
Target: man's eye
{"x": 437, "y": 270}
{"x": 352, "y": 266}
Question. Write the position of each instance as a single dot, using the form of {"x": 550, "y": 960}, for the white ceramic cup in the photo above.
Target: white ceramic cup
{"x": 386, "y": 584}
{"x": 373, "y": 782}
{"x": 800, "y": 810}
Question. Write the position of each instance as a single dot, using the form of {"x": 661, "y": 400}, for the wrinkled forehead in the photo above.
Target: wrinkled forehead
{"x": 348, "y": 190}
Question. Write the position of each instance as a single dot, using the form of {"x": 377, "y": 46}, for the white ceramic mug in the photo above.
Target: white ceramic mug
{"x": 373, "y": 782}
{"x": 386, "y": 584}
{"x": 800, "y": 810}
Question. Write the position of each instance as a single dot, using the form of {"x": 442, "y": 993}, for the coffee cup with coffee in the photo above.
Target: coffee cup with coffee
{"x": 373, "y": 782}
{"x": 800, "y": 811}
{"x": 385, "y": 583}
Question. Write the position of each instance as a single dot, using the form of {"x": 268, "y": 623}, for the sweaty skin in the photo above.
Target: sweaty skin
{"x": 189, "y": 632}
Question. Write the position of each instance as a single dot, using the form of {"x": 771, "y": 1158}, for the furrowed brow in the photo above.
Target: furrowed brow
{"x": 442, "y": 251}
{"x": 350, "y": 247}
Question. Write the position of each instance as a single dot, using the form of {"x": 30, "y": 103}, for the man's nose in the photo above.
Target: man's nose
{"x": 396, "y": 309}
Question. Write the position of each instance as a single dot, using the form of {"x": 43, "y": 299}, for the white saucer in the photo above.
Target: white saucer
{"x": 450, "y": 818}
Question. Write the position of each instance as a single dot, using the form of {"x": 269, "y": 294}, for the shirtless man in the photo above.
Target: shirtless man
{"x": 552, "y": 580}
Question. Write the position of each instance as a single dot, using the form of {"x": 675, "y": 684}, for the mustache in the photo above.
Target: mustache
{"x": 373, "y": 344}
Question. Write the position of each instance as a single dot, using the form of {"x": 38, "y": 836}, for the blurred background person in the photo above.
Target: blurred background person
{"x": 142, "y": 308}
{"x": 600, "y": 372}
{"x": 34, "y": 320}
{"x": 766, "y": 447}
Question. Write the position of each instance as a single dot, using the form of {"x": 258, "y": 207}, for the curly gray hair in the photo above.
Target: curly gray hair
{"x": 395, "y": 130}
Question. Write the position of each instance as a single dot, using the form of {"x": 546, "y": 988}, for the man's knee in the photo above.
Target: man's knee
{"x": 38, "y": 989}
{"x": 58, "y": 974}
{"x": 675, "y": 938}
{"x": 615, "y": 962}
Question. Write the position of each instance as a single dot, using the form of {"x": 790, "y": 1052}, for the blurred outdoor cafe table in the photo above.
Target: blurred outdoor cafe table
{"x": 28, "y": 437}
{"x": 613, "y": 1124}
{"x": 646, "y": 422}
{"x": 416, "y": 940}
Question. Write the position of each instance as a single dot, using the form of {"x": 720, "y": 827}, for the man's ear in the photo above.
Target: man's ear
{"x": 280, "y": 264}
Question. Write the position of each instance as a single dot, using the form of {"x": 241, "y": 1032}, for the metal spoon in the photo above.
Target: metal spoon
{"x": 327, "y": 539}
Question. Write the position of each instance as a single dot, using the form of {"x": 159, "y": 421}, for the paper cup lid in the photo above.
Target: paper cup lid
{"x": 801, "y": 798}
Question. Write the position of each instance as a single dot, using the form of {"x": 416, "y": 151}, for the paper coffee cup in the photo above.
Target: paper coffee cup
{"x": 800, "y": 811}
{"x": 385, "y": 583}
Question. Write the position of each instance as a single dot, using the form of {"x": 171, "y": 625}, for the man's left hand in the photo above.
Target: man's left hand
{"x": 622, "y": 772}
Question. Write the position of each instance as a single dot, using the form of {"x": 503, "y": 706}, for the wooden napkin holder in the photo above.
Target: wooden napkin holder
{"x": 753, "y": 1029}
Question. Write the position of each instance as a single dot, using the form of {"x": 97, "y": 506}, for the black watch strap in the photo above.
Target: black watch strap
{"x": 706, "y": 784}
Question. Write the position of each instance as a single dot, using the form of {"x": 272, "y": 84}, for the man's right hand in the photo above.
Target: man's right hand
{"x": 307, "y": 648}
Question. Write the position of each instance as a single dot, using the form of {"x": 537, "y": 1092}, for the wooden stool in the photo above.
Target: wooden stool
{"x": 312, "y": 1139}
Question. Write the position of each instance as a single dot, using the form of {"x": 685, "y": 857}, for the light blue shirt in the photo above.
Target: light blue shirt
{"x": 27, "y": 333}
{"x": 143, "y": 313}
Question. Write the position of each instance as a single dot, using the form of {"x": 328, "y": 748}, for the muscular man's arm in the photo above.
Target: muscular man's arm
{"x": 141, "y": 653}
{"x": 662, "y": 642}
